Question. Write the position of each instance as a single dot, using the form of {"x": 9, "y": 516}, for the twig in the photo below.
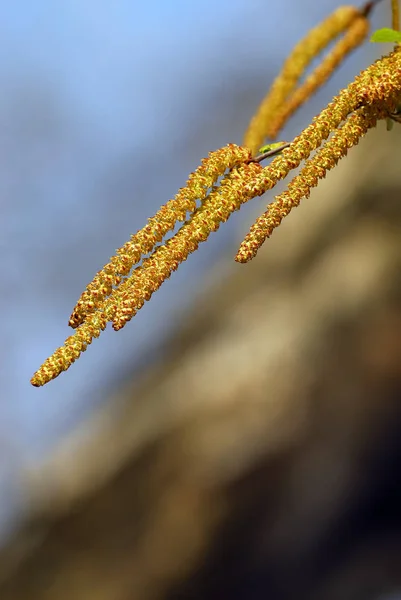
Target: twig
{"x": 395, "y": 15}
{"x": 269, "y": 153}
{"x": 368, "y": 7}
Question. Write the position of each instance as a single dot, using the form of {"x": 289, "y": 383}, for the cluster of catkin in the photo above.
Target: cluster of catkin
{"x": 232, "y": 175}
{"x": 286, "y": 94}
{"x": 120, "y": 289}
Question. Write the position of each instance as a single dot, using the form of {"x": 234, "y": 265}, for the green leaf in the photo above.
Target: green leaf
{"x": 386, "y": 35}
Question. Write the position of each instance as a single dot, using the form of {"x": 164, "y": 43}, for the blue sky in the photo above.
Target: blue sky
{"x": 90, "y": 90}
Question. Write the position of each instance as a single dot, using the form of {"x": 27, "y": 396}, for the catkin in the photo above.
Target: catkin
{"x": 308, "y": 48}
{"x": 377, "y": 88}
{"x": 157, "y": 227}
{"x": 129, "y": 297}
{"x": 324, "y": 160}
{"x": 116, "y": 296}
{"x": 352, "y": 38}
{"x": 73, "y": 347}
{"x": 235, "y": 189}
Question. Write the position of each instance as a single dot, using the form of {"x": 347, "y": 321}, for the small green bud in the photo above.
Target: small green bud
{"x": 268, "y": 147}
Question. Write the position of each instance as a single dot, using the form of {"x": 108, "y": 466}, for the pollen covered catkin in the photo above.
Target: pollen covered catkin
{"x": 232, "y": 176}
{"x": 353, "y": 37}
{"x": 143, "y": 242}
{"x": 325, "y": 159}
{"x": 303, "y": 53}
{"x": 378, "y": 89}
{"x": 235, "y": 189}
{"x": 129, "y": 297}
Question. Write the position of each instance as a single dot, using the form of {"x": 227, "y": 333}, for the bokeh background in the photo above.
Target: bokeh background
{"x": 105, "y": 109}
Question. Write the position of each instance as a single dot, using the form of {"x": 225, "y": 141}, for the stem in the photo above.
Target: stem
{"x": 395, "y": 13}
{"x": 269, "y": 153}
{"x": 367, "y": 8}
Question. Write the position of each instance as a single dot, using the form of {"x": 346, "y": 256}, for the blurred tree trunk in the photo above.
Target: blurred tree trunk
{"x": 261, "y": 458}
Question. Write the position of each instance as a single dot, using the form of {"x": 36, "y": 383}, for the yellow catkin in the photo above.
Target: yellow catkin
{"x": 73, "y": 347}
{"x": 125, "y": 301}
{"x": 314, "y": 169}
{"x": 378, "y": 86}
{"x": 235, "y": 189}
{"x": 157, "y": 227}
{"x": 308, "y": 140}
{"x": 381, "y": 82}
{"x": 308, "y": 48}
{"x": 352, "y": 38}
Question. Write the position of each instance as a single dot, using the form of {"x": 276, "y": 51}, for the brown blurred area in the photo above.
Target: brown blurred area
{"x": 262, "y": 458}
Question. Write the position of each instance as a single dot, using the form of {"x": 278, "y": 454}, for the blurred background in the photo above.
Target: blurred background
{"x": 240, "y": 437}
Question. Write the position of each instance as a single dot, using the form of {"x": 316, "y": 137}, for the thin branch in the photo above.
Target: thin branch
{"x": 395, "y": 12}
{"x": 369, "y": 6}
{"x": 269, "y": 153}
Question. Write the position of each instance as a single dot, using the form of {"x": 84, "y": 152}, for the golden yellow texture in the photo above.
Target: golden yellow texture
{"x": 307, "y": 141}
{"x": 74, "y": 345}
{"x": 352, "y": 38}
{"x": 125, "y": 301}
{"x": 381, "y": 82}
{"x": 157, "y": 227}
{"x": 115, "y": 296}
{"x": 235, "y": 189}
{"x": 346, "y": 136}
{"x": 378, "y": 87}
{"x": 308, "y": 48}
